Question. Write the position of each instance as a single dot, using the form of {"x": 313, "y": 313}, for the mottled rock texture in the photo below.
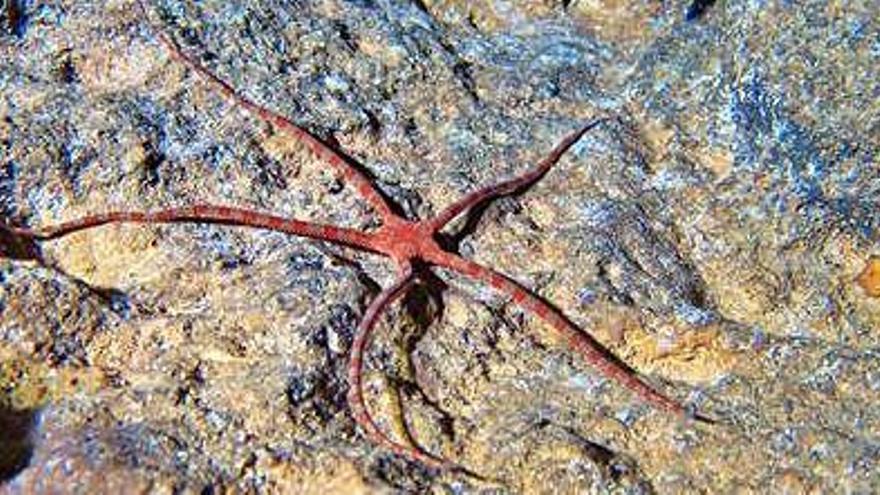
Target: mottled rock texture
{"x": 720, "y": 234}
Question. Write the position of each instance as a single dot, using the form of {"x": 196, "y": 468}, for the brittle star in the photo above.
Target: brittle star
{"x": 413, "y": 245}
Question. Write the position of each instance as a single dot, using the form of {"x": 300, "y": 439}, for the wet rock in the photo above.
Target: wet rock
{"x": 719, "y": 232}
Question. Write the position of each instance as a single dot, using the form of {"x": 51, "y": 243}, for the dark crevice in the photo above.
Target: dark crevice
{"x": 15, "y": 246}
{"x": 66, "y": 70}
{"x": 697, "y": 8}
{"x": 374, "y": 125}
{"x": 16, "y": 18}
{"x": 462, "y": 70}
{"x": 421, "y": 6}
{"x": 17, "y": 445}
{"x": 153, "y": 160}
{"x": 345, "y": 35}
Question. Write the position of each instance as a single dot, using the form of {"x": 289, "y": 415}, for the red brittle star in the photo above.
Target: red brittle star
{"x": 412, "y": 244}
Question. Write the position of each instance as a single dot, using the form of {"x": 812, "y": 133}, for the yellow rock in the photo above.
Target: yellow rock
{"x": 104, "y": 69}
{"x": 693, "y": 355}
{"x": 457, "y": 312}
{"x": 719, "y": 161}
{"x": 658, "y": 137}
{"x": 111, "y": 255}
{"x": 333, "y": 476}
{"x": 869, "y": 279}
{"x": 31, "y": 384}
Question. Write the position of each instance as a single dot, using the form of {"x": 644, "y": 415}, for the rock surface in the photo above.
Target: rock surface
{"x": 720, "y": 233}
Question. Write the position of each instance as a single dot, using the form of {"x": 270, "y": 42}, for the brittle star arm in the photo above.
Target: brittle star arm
{"x": 355, "y": 365}
{"x": 206, "y": 213}
{"x": 343, "y": 164}
{"x": 511, "y": 186}
{"x": 593, "y": 352}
